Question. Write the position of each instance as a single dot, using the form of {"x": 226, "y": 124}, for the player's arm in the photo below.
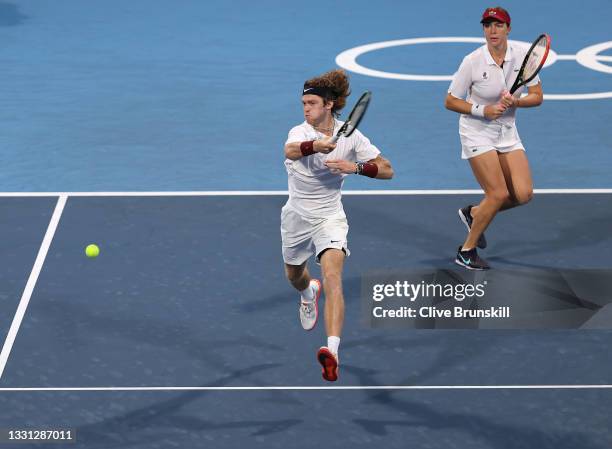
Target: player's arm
{"x": 457, "y": 105}
{"x": 379, "y": 167}
{"x": 385, "y": 171}
{"x": 458, "y": 90}
{"x": 298, "y": 150}
{"x": 490, "y": 112}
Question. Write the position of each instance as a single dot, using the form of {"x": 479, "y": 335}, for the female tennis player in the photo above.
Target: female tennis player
{"x": 313, "y": 221}
{"x": 489, "y": 138}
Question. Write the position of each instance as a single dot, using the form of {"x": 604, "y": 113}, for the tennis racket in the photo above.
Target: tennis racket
{"x": 354, "y": 117}
{"x": 533, "y": 62}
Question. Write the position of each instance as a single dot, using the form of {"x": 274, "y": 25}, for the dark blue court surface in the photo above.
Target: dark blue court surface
{"x": 23, "y": 224}
{"x": 336, "y": 419}
{"x": 187, "y": 292}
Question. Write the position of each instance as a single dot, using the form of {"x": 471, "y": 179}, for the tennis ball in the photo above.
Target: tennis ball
{"x": 92, "y": 250}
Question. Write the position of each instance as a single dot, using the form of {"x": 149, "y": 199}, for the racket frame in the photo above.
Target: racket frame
{"x": 367, "y": 96}
{"x": 519, "y": 81}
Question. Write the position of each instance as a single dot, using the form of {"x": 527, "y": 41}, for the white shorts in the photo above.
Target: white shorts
{"x": 304, "y": 237}
{"x": 502, "y": 138}
{"x": 468, "y": 152}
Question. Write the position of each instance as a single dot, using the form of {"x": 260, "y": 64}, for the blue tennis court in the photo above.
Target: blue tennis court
{"x": 155, "y": 129}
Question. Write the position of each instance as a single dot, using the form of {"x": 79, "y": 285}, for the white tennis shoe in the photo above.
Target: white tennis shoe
{"x": 309, "y": 311}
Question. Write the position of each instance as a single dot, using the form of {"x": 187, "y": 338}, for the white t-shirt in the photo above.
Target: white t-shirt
{"x": 314, "y": 191}
{"x": 480, "y": 80}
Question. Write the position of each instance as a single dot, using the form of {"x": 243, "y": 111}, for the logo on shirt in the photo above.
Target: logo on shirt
{"x": 485, "y": 75}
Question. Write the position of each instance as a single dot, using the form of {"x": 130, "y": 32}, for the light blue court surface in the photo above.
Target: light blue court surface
{"x": 158, "y": 95}
{"x": 179, "y": 333}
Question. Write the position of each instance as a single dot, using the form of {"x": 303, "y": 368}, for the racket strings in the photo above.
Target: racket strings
{"x": 535, "y": 58}
{"x": 353, "y": 119}
{"x": 352, "y": 122}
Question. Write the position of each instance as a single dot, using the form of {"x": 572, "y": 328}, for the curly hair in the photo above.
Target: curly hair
{"x": 337, "y": 82}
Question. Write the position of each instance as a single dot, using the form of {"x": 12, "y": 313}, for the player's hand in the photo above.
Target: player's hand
{"x": 338, "y": 166}
{"x": 324, "y": 146}
{"x": 494, "y": 111}
{"x": 507, "y": 100}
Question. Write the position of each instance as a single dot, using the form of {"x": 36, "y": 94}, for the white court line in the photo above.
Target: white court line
{"x": 566, "y": 57}
{"x": 284, "y": 193}
{"x": 573, "y": 58}
{"x": 309, "y": 388}
{"x": 29, "y": 288}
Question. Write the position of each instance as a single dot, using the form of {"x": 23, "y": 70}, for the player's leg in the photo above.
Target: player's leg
{"x": 517, "y": 174}
{"x": 297, "y": 249}
{"x": 331, "y": 245}
{"x": 488, "y": 172}
{"x": 298, "y": 275}
{"x": 310, "y": 292}
{"x": 332, "y": 263}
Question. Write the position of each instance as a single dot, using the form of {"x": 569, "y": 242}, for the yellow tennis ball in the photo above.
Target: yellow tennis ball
{"x": 92, "y": 250}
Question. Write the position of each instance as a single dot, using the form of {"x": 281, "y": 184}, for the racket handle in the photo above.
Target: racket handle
{"x": 335, "y": 138}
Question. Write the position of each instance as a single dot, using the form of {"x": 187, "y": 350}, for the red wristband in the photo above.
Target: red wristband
{"x": 307, "y": 148}
{"x": 369, "y": 169}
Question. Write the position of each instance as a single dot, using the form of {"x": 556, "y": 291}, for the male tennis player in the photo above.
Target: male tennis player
{"x": 489, "y": 138}
{"x": 313, "y": 220}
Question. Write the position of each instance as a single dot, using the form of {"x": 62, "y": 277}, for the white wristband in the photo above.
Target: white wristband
{"x": 478, "y": 110}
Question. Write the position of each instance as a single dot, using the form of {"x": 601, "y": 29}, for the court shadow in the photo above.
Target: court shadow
{"x": 455, "y": 351}
{"x": 494, "y": 433}
{"x": 148, "y": 425}
{"x": 404, "y": 230}
{"x": 466, "y": 357}
{"x": 581, "y": 232}
{"x": 10, "y": 15}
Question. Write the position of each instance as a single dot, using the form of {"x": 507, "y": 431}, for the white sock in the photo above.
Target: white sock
{"x": 308, "y": 294}
{"x": 333, "y": 343}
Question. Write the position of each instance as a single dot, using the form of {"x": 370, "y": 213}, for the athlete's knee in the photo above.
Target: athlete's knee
{"x": 523, "y": 196}
{"x": 499, "y": 195}
{"x": 294, "y": 272}
{"x": 332, "y": 280}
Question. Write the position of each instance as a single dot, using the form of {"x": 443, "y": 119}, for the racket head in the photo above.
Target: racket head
{"x": 359, "y": 110}
{"x": 533, "y": 62}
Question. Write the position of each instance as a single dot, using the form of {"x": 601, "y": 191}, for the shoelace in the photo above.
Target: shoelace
{"x": 308, "y": 308}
